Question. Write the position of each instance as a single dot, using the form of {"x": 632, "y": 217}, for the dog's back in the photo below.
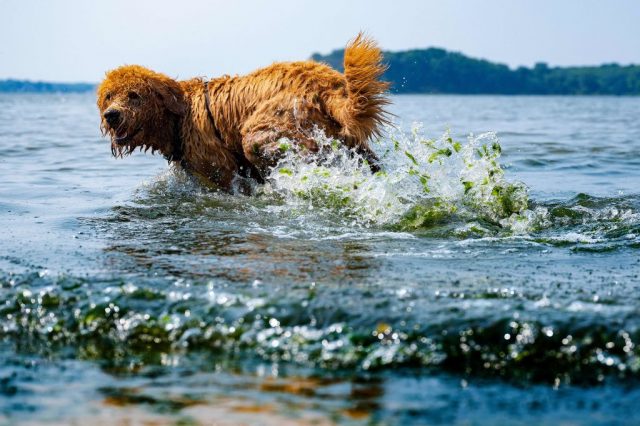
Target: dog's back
{"x": 355, "y": 99}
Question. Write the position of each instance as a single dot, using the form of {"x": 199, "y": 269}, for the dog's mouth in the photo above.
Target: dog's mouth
{"x": 122, "y": 141}
{"x": 124, "y": 136}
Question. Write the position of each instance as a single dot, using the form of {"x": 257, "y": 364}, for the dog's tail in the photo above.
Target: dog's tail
{"x": 362, "y": 112}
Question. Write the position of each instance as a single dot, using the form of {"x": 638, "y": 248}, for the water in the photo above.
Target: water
{"x": 463, "y": 285}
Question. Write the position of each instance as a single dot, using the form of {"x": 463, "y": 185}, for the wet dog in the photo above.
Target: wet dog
{"x": 234, "y": 126}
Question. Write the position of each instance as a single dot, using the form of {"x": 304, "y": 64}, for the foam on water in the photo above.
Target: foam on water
{"x": 424, "y": 181}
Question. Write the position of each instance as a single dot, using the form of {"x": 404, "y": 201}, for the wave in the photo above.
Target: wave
{"x": 139, "y": 323}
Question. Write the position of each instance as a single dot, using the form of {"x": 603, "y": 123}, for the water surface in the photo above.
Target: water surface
{"x": 463, "y": 285}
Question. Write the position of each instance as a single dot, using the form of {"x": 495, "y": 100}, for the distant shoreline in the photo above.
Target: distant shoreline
{"x": 27, "y": 86}
{"x": 436, "y": 71}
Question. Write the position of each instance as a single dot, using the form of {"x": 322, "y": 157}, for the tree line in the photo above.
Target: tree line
{"x": 437, "y": 70}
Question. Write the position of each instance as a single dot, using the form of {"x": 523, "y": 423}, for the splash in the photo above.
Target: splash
{"x": 424, "y": 182}
{"x": 440, "y": 188}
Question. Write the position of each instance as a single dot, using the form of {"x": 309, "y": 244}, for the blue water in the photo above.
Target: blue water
{"x": 130, "y": 293}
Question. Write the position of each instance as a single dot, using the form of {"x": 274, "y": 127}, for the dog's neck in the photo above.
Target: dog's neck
{"x": 197, "y": 145}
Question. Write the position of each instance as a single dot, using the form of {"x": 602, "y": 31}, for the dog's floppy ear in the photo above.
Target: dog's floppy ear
{"x": 170, "y": 95}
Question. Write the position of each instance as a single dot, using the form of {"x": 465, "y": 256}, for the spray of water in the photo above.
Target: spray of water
{"x": 424, "y": 182}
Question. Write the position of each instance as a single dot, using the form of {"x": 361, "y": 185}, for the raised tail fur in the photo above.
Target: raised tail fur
{"x": 362, "y": 112}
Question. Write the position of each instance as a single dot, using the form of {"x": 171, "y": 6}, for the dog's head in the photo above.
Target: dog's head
{"x": 139, "y": 109}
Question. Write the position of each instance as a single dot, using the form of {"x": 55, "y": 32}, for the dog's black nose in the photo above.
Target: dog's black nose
{"x": 112, "y": 116}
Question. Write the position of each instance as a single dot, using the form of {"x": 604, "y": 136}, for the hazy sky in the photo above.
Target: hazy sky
{"x": 78, "y": 40}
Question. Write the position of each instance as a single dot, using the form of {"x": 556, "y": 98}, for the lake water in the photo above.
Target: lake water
{"x": 484, "y": 280}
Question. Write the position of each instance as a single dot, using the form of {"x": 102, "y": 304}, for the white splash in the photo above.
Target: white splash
{"x": 424, "y": 181}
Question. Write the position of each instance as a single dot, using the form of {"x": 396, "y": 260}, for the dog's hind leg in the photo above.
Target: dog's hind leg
{"x": 274, "y": 127}
{"x": 367, "y": 154}
{"x": 263, "y": 148}
{"x": 284, "y": 123}
{"x": 371, "y": 158}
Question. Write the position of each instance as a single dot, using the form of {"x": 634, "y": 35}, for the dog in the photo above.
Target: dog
{"x": 227, "y": 127}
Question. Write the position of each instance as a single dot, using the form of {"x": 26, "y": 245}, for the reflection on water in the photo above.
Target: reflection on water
{"x": 276, "y": 394}
{"x": 201, "y": 251}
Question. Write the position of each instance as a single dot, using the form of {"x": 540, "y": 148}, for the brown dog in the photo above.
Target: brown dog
{"x": 233, "y": 126}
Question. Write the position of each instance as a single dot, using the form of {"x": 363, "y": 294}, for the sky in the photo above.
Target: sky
{"x": 78, "y": 40}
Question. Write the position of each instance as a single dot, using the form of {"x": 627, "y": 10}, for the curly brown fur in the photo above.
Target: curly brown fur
{"x": 249, "y": 115}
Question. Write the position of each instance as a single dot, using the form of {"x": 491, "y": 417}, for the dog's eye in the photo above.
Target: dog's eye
{"x": 107, "y": 97}
{"x": 133, "y": 96}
